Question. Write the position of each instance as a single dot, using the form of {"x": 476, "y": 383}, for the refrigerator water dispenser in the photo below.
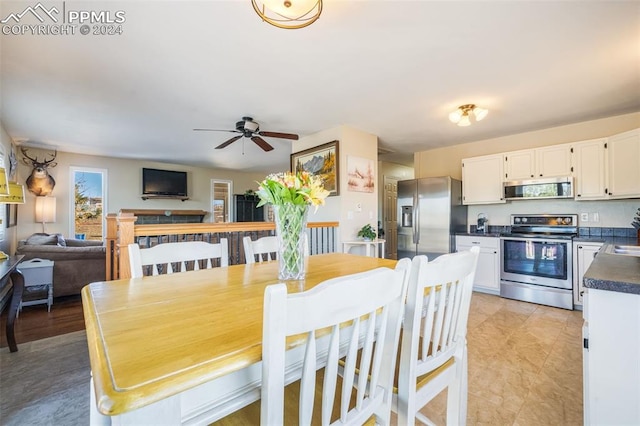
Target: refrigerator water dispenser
{"x": 407, "y": 216}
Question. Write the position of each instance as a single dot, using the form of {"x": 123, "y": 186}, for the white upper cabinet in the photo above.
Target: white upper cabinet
{"x": 624, "y": 165}
{"x": 482, "y": 180}
{"x": 553, "y": 161}
{"x": 550, "y": 161}
{"x": 519, "y": 165}
{"x": 589, "y": 169}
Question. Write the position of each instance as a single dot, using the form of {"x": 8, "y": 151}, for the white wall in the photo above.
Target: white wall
{"x": 124, "y": 188}
{"x": 7, "y": 236}
{"x": 613, "y": 213}
{"x": 342, "y": 208}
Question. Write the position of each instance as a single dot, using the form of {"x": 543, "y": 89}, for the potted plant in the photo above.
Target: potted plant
{"x": 367, "y": 233}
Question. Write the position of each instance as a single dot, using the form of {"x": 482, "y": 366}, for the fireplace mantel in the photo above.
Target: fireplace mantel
{"x": 151, "y": 216}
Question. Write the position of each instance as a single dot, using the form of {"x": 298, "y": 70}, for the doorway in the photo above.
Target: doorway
{"x": 221, "y": 191}
{"x": 390, "y": 216}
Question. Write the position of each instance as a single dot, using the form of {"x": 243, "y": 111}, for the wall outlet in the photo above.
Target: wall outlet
{"x": 349, "y": 215}
{"x": 584, "y": 217}
{"x": 595, "y": 217}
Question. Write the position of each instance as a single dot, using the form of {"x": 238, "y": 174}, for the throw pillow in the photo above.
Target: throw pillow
{"x": 61, "y": 241}
{"x": 42, "y": 239}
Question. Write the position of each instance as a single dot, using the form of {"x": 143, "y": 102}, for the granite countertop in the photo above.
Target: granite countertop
{"x": 614, "y": 272}
{"x": 479, "y": 234}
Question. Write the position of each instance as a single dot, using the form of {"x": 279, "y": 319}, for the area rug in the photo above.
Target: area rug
{"x": 46, "y": 382}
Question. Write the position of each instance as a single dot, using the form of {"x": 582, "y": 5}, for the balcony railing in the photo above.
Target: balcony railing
{"x": 122, "y": 231}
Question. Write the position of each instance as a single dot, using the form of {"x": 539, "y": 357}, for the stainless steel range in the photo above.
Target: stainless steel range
{"x": 536, "y": 264}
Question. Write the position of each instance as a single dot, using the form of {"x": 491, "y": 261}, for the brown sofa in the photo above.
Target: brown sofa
{"x": 76, "y": 262}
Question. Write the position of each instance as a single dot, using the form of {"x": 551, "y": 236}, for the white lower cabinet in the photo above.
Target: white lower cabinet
{"x": 611, "y": 358}
{"x": 583, "y": 255}
{"x": 488, "y": 271}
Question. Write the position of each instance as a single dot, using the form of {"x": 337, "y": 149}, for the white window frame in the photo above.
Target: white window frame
{"x": 72, "y": 199}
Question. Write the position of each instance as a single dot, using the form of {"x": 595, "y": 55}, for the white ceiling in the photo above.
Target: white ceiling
{"x": 392, "y": 68}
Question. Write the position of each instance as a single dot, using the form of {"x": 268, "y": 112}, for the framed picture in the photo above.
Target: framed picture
{"x": 12, "y": 215}
{"x": 320, "y": 161}
{"x": 360, "y": 174}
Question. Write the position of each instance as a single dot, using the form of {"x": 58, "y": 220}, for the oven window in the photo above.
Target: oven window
{"x": 537, "y": 258}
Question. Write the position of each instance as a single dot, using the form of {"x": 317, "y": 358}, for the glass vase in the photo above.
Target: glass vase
{"x": 291, "y": 223}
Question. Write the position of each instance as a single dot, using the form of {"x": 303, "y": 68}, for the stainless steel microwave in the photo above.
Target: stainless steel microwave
{"x": 558, "y": 187}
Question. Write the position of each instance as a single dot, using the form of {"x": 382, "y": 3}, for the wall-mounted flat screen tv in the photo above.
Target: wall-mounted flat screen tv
{"x": 164, "y": 182}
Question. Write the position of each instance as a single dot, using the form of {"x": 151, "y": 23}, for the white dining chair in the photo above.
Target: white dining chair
{"x": 433, "y": 353}
{"x": 354, "y": 318}
{"x": 266, "y": 248}
{"x": 199, "y": 254}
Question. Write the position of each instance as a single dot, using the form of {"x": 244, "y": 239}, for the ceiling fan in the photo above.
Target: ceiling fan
{"x": 251, "y": 129}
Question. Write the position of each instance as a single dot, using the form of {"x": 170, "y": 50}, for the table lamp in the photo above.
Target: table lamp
{"x": 45, "y": 210}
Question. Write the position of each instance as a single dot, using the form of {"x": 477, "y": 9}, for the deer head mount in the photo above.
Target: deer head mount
{"x": 39, "y": 181}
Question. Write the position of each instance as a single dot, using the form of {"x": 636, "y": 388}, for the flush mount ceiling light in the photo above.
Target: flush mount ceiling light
{"x": 288, "y": 14}
{"x": 461, "y": 115}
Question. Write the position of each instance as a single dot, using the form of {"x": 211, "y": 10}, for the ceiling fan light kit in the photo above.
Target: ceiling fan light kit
{"x": 288, "y": 14}
{"x": 462, "y": 115}
{"x": 251, "y": 129}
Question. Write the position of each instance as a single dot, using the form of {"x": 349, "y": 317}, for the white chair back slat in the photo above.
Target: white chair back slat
{"x": 331, "y": 373}
{"x": 341, "y": 301}
{"x": 180, "y": 254}
{"x": 448, "y": 282}
{"x": 365, "y": 364}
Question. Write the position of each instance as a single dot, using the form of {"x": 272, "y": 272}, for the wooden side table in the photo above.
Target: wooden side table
{"x": 346, "y": 245}
{"x": 38, "y": 273}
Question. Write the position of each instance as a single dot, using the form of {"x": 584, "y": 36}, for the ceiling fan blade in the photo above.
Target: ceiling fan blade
{"x": 279, "y": 135}
{"x": 215, "y": 130}
{"x": 261, "y": 143}
{"x": 229, "y": 142}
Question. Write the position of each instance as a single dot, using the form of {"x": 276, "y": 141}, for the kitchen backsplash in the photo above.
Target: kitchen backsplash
{"x": 582, "y": 231}
{"x": 611, "y": 213}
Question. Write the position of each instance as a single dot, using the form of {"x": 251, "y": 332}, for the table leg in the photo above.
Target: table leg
{"x": 17, "y": 281}
{"x": 50, "y": 297}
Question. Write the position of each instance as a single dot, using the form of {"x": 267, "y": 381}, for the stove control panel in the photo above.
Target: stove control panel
{"x": 545, "y": 220}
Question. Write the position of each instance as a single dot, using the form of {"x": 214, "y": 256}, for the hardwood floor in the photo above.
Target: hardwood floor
{"x": 35, "y": 323}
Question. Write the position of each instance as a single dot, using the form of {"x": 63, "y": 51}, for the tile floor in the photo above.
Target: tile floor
{"x": 525, "y": 365}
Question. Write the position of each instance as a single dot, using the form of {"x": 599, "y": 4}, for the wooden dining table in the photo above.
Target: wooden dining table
{"x": 185, "y": 348}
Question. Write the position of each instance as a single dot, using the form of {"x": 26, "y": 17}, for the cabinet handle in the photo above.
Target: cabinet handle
{"x": 475, "y": 242}
{"x": 531, "y": 175}
{"x": 540, "y": 174}
{"x": 579, "y": 195}
{"x": 582, "y": 293}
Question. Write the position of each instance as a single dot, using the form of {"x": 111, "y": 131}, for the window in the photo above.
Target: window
{"x": 88, "y": 205}
{"x": 221, "y": 191}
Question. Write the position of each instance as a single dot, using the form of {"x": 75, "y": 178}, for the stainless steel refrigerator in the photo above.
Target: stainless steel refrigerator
{"x": 430, "y": 212}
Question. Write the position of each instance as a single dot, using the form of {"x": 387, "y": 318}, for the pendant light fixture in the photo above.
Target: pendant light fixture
{"x": 461, "y": 116}
{"x": 288, "y": 14}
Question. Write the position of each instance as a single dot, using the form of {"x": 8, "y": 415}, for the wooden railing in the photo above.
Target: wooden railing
{"x": 122, "y": 231}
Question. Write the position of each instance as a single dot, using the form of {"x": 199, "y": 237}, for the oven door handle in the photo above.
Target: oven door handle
{"x": 542, "y": 240}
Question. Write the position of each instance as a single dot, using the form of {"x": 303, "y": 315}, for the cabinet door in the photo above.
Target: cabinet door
{"x": 589, "y": 167}
{"x": 482, "y": 180}
{"x": 624, "y": 165}
{"x": 488, "y": 270}
{"x": 585, "y": 253}
{"x": 553, "y": 161}
{"x": 519, "y": 165}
